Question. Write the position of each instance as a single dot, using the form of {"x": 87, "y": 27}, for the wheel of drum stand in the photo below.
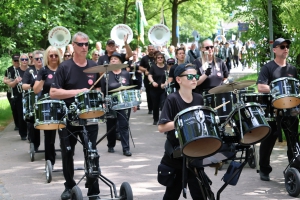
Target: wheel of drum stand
{"x": 76, "y": 193}
{"x": 251, "y": 158}
{"x": 126, "y": 192}
{"x": 292, "y": 181}
{"x": 48, "y": 169}
{"x": 31, "y": 152}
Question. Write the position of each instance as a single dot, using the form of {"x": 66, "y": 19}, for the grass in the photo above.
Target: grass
{"x": 5, "y": 113}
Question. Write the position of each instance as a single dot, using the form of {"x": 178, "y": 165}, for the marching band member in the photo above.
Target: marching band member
{"x": 10, "y": 94}
{"x": 116, "y": 79}
{"x": 70, "y": 80}
{"x": 186, "y": 80}
{"x": 45, "y": 78}
{"x": 277, "y": 68}
{"x": 157, "y": 79}
{"x": 133, "y": 66}
{"x": 180, "y": 56}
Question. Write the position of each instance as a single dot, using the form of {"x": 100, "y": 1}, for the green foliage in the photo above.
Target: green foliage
{"x": 5, "y": 113}
{"x": 5, "y": 62}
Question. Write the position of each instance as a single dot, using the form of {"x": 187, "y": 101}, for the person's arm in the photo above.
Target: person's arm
{"x": 263, "y": 88}
{"x": 150, "y": 78}
{"x": 127, "y": 47}
{"x": 26, "y": 86}
{"x": 56, "y": 93}
{"x": 166, "y": 127}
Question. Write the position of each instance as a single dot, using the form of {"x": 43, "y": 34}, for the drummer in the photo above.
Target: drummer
{"x": 45, "y": 78}
{"x": 277, "y": 68}
{"x": 118, "y": 78}
{"x": 212, "y": 69}
{"x": 186, "y": 80}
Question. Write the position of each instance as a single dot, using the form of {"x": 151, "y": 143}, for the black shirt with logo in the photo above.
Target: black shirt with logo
{"x": 147, "y": 62}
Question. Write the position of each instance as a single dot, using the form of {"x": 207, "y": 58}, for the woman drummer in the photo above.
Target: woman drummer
{"x": 51, "y": 59}
{"x": 186, "y": 80}
{"x": 116, "y": 79}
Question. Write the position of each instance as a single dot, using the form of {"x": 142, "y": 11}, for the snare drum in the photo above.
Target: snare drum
{"x": 29, "y": 99}
{"x": 265, "y": 101}
{"x": 50, "y": 115}
{"x": 76, "y": 121}
{"x": 254, "y": 125}
{"x": 197, "y": 130}
{"x": 285, "y": 93}
{"x": 125, "y": 99}
{"x": 89, "y": 104}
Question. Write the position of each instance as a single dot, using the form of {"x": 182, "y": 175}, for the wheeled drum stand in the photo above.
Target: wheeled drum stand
{"x": 91, "y": 170}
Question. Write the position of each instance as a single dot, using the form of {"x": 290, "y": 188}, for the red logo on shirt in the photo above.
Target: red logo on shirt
{"x": 90, "y": 82}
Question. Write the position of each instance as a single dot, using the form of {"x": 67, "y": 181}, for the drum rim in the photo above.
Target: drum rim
{"x": 50, "y": 101}
{"x": 87, "y": 92}
{"x": 193, "y": 108}
{"x": 256, "y": 94}
{"x": 283, "y": 78}
{"x": 130, "y": 91}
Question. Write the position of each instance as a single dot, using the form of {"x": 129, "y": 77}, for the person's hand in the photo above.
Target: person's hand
{"x": 134, "y": 108}
{"x": 154, "y": 84}
{"x": 125, "y": 38}
{"x": 44, "y": 74}
{"x": 207, "y": 71}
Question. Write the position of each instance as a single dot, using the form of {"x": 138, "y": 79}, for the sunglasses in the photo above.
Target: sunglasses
{"x": 67, "y": 55}
{"x": 284, "y": 46}
{"x": 80, "y": 44}
{"x": 209, "y": 47}
{"x": 160, "y": 57}
{"x": 30, "y": 56}
{"x": 37, "y": 59}
{"x": 191, "y": 76}
{"x": 53, "y": 56}
{"x": 96, "y": 54}
{"x": 24, "y": 59}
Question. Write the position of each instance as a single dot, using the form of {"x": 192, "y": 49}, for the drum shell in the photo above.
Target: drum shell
{"x": 125, "y": 99}
{"x": 50, "y": 115}
{"x": 89, "y": 104}
{"x": 197, "y": 130}
{"x": 254, "y": 125}
{"x": 29, "y": 99}
{"x": 285, "y": 93}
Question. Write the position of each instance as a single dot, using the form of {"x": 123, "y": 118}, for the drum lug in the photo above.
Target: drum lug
{"x": 51, "y": 105}
{"x": 51, "y": 118}
{"x": 180, "y": 122}
{"x": 217, "y": 119}
{"x": 37, "y": 120}
{"x": 247, "y": 113}
{"x": 176, "y": 134}
{"x": 76, "y": 100}
{"x": 85, "y": 96}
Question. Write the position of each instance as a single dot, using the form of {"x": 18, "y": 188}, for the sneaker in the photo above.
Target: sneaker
{"x": 24, "y": 138}
{"x": 94, "y": 198}
{"x": 264, "y": 177}
{"x": 111, "y": 150}
{"x": 150, "y": 112}
{"x": 138, "y": 107}
{"x": 66, "y": 194}
{"x": 127, "y": 153}
{"x": 155, "y": 123}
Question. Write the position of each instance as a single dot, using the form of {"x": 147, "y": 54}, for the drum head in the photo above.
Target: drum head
{"x": 202, "y": 147}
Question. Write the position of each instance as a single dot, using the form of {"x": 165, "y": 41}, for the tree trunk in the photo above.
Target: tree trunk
{"x": 174, "y": 22}
{"x": 125, "y": 11}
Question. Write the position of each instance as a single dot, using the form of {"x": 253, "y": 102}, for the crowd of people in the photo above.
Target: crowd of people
{"x": 173, "y": 79}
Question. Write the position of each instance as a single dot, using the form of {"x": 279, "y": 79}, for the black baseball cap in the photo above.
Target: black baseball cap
{"x": 16, "y": 57}
{"x": 116, "y": 54}
{"x": 171, "y": 61}
{"x": 182, "y": 68}
{"x": 110, "y": 41}
{"x": 279, "y": 41}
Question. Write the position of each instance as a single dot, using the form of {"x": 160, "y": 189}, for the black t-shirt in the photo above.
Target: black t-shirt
{"x": 271, "y": 71}
{"x": 172, "y": 70}
{"x": 114, "y": 81}
{"x": 173, "y": 105}
{"x": 105, "y": 58}
{"x": 28, "y": 77}
{"x": 70, "y": 76}
{"x": 219, "y": 71}
{"x": 158, "y": 75}
{"x": 49, "y": 80}
{"x": 147, "y": 62}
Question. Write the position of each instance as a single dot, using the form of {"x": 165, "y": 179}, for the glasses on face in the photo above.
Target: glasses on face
{"x": 53, "y": 56}
{"x": 24, "y": 59}
{"x": 160, "y": 57}
{"x": 191, "y": 76}
{"x": 80, "y": 44}
{"x": 30, "y": 57}
{"x": 37, "y": 59}
{"x": 284, "y": 46}
{"x": 209, "y": 47}
{"x": 96, "y": 54}
{"x": 67, "y": 56}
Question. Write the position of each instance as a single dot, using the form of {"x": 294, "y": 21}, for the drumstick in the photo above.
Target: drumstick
{"x": 221, "y": 105}
{"x": 97, "y": 81}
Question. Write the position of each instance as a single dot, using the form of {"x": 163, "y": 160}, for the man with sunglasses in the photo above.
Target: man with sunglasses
{"x": 277, "y": 68}
{"x": 111, "y": 47}
{"x": 69, "y": 81}
{"x": 8, "y": 76}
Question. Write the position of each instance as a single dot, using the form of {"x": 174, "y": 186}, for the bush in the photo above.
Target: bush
{"x": 5, "y": 62}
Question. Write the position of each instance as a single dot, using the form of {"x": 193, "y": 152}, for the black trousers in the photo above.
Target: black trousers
{"x": 236, "y": 61}
{"x": 173, "y": 192}
{"x": 49, "y": 142}
{"x": 149, "y": 99}
{"x": 19, "y": 109}
{"x": 13, "y": 109}
{"x": 34, "y": 135}
{"x": 123, "y": 125}
{"x": 158, "y": 98}
{"x": 67, "y": 143}
{"x": 288, "y": 124}
{"x": 228, "y": 64}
